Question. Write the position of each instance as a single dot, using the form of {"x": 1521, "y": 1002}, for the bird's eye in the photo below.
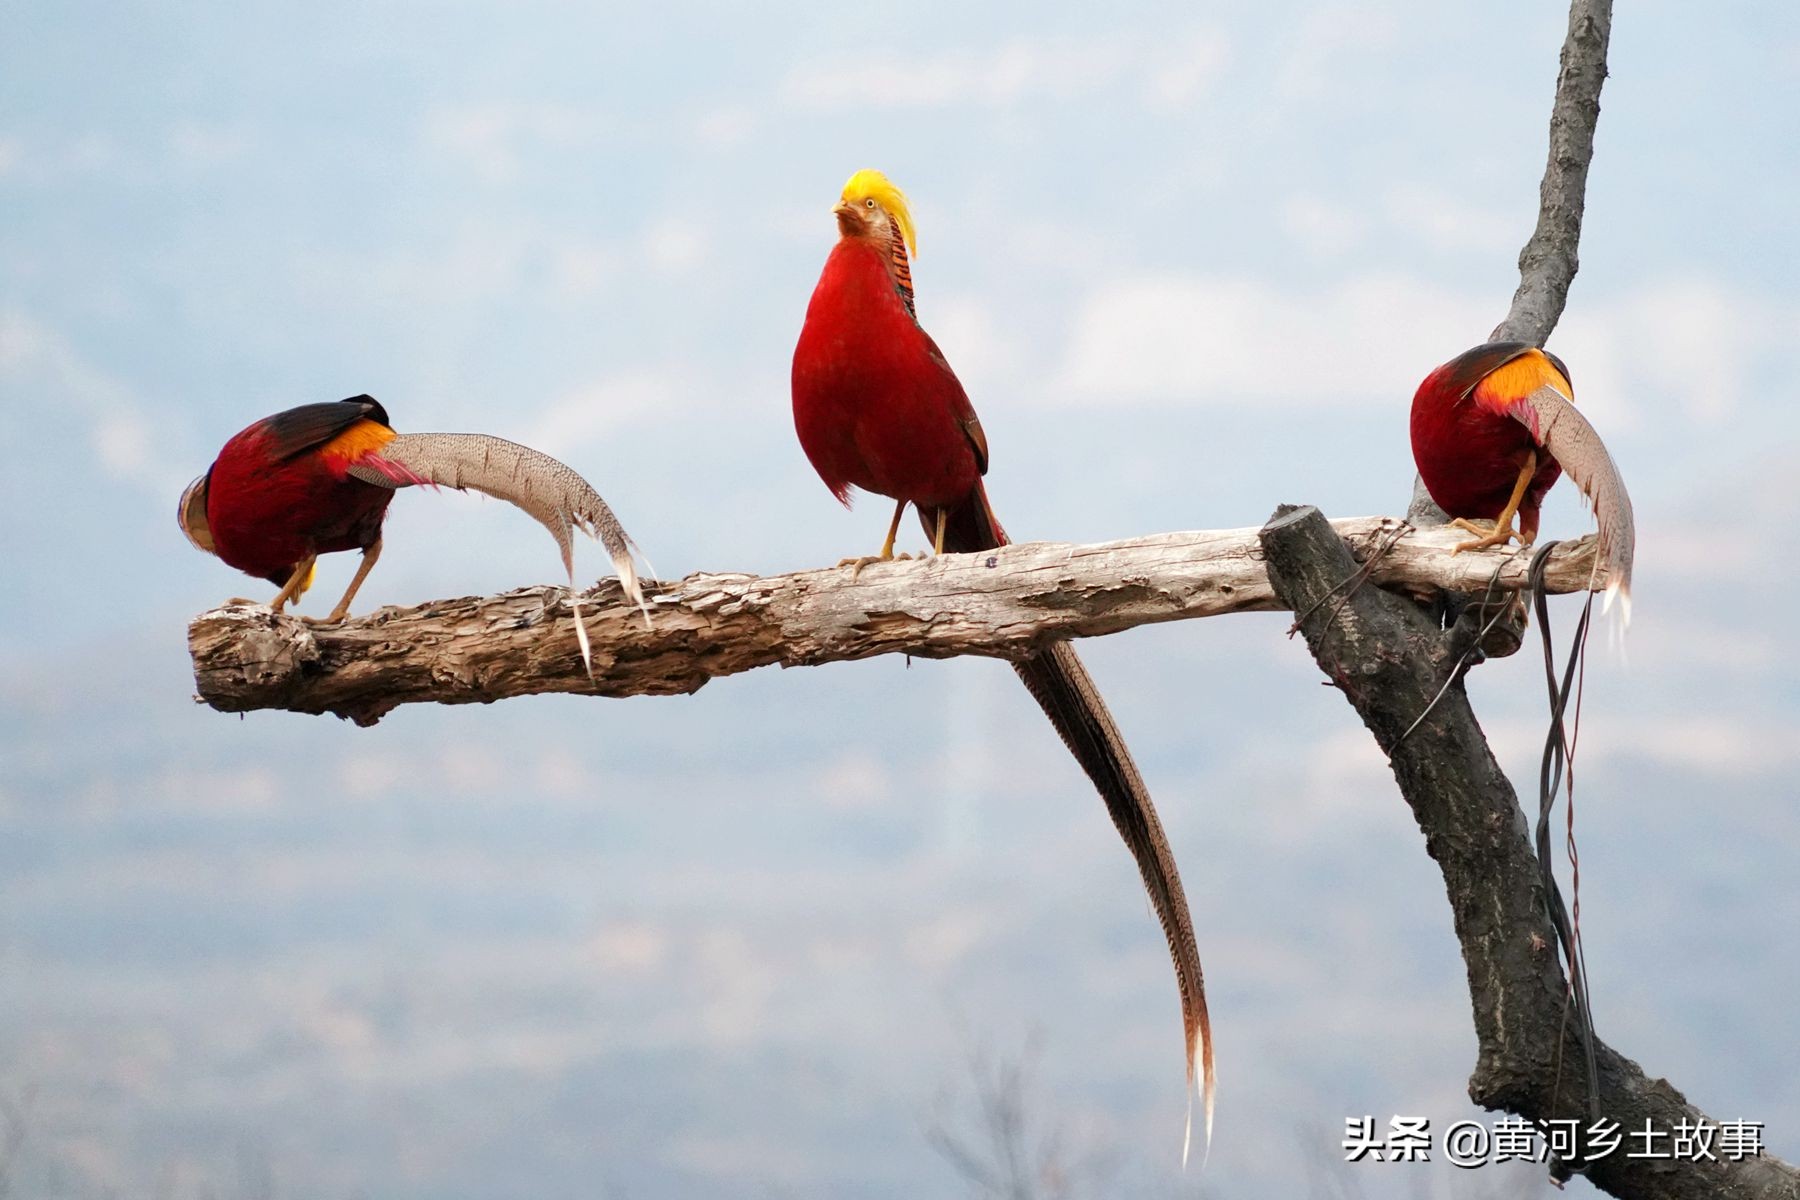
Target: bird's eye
{"x": 869, "y": 203}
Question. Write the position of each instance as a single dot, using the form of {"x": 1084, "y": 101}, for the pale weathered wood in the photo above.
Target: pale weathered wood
{"x": 1002, "y": 604}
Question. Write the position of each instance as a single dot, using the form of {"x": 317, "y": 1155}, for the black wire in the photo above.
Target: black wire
{"x": 1550, "y": 777}
{"x": 1462, "y": 661}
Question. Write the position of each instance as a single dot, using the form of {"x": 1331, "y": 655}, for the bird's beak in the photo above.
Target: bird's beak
{"x": 849, "y": 218}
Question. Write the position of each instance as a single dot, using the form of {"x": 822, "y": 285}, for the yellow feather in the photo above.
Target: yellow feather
{"x": 870, "y": 184}
{"x": 359, "y": 439}
{"x": 1506, "y": 385}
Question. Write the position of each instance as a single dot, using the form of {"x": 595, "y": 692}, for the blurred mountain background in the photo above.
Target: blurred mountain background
{"x": 1189, "y": 264}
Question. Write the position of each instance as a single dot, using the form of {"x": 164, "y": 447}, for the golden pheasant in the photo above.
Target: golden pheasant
{"x": 1493, "y": 429}
{"x": 318, "y": 478}
{"x": 877, "y": 407}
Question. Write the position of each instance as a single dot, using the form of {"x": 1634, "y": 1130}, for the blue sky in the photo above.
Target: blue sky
{"x": 1189, "y": 263}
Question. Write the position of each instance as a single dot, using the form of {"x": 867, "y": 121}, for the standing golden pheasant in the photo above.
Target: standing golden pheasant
{"x": 877, "y": 407}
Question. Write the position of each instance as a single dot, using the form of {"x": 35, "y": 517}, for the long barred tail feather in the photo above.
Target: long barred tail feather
{"x": 1561, "y": 429}
{"x": 1065, "y": 691}
{"x": 552, "y": 492}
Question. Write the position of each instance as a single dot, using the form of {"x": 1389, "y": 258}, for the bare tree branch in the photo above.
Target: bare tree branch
{"x": 1389, "y": 659}
{"x": 1003, "y": 604}
{"x": 1548, "y": 263}
{"x": 1004, "y": 1142}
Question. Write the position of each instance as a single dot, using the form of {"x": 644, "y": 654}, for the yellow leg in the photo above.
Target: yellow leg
{"x": 1502, "y": 531}
{"x": 295, "y": 583}
{"x": 937, "y": 545}
{"x": 887, "y": 547}
{"x": 369, "y": 555}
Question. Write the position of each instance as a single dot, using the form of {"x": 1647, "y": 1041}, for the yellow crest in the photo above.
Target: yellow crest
{"x": 873, "y": 185}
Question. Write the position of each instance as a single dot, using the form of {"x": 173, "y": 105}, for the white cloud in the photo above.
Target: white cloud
{"x": 1168, "y": 72}
{"x": 366, "y": 775}
{"x": 1320, "y": 225}
{"x": 476, "y": 262}
{"x": 1446, "y": 221}
{"x": 735, "y": 1157}
{"x": 1181, "y": 71}
{"x": 629, "y": 947}
{"x": 674, "y": 247}
{"x": 1723, "y": 747}
{"x": 493, "y": 138}
{"x": 1205, "y": 339}
{"x": 37, "y": 359}
{"x": 1328, "y": 35}
{"x": 1690, "y": 347}
{"x": 472, "y": 769}
{"x": 588, "y": 413}
{"x": 209, "y": 145}
{"x": 943, "y": 940}
{"x": 980, "y": 348}
{"x": 579, "y": 267}
{"x": 854, "y": 780}
{"x": 1692, "y": 340}
{"x": 122, "y": 440}
{"x": 728, "y": 125}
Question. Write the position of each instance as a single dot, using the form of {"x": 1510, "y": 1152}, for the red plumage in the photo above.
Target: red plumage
{"x": 1470, "y": 447}
{"x": 877, "y": 407}
{"x": 280, "y": 490}
{"x": 318, "y": 479}
{"x": 875, "y": 403}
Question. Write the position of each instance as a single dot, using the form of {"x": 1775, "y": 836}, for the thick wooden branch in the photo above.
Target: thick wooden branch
{"x": 1003, "y": 604}
{"x": 1390, "y": 659}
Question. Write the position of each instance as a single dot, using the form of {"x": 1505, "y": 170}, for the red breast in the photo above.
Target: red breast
{"x": 874, "y": 405}
{"x": 266, "y": 515}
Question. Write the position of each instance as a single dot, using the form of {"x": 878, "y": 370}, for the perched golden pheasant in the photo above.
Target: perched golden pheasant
{"x": 318, "y": 478}
{"x": 1493, "y": 429}
{"x": 877, "y": 407}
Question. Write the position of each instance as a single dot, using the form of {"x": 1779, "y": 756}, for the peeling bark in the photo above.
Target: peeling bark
{"x": 1003, "y": 603}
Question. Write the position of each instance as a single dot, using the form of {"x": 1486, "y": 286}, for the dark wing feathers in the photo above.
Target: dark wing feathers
{"x": 301, "y": 429}
{"x": 961, "y": 407}
{"x": 1470, "y": 367}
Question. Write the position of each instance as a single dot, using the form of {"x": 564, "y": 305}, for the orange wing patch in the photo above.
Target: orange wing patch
{"x": 1511, "y": 382}
{"x": 363, "y": 438}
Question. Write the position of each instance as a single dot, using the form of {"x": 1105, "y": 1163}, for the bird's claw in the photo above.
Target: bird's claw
{"x": 1490, "y": 535}
{"x": 857, "y": 564}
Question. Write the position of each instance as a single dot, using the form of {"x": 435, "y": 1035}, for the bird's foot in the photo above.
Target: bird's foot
{"x": 240, "y": 600}
{"x": 857, "y": 564}
{"x": 335, "y": 617}
{"x": 1491, "y": 534}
